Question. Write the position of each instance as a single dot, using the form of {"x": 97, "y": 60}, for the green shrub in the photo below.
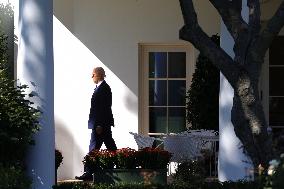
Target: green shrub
{"x": 18, "y": 118}
{"x": 13, "y": 177}
{"x": 79, "y": 185}
{"x": 203, "y": 96}
{"x": 242, "y": 184}
{"x": 190, "y": 173}
{"x": 58, "y": 158}
{"x": 178, "y": 185}
{"x": 7, "y": 28}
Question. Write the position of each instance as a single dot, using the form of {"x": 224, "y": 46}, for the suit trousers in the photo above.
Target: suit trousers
{"x": 106, "y": 137}
{"x": 97, "y": 141}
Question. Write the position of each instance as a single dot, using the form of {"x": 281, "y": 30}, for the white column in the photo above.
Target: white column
{"x": 233, "y": 163}
{"x": 35, "y": 68}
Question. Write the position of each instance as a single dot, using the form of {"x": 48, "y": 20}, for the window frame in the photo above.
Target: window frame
{"x": 275, "y": 127}
{"x": 143, "y": 77}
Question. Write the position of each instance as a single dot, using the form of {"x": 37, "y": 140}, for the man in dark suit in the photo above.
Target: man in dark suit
{"x": 100, "y": 117}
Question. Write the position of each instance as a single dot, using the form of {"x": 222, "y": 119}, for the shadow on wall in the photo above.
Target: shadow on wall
{"x": 130, "y": 102}
{"x": 67, "y": 146}
{"x": 228, "y": 175}
{"x": 108, "y": 47}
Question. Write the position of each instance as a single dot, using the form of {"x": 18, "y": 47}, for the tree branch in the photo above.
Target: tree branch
{"x": 193, "y": 33}
{"x": 230, "y": 12}
{"x": 273, "y": 27}
{"x": 254, "y": 16}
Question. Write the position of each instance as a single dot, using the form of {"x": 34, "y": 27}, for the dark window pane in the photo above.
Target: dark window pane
{"x": 276, "y": 111}
{"x": 157, "y": 93}
{"x": 176, "y": 120}
{"x": 157, "y": 64}
{"x": 177, "y": 93}
{"x": 158, "y": 120}
{"x": 276, "y": 55}
{"x": 276, "y": 75}
{"x": 177, "y": 65}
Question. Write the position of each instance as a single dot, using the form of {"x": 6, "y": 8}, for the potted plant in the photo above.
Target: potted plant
{"x": 58, "y": 161}
{"x": 127, "y": 165}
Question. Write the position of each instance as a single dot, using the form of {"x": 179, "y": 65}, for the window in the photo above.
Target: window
{"x": 164, "y": 77}
{"x": 276, "y": 89}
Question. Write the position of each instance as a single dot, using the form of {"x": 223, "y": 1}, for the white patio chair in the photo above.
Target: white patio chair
{"x": 188, "y": 145}
{"x": 143, "y": 141}
{"x": 206, "y": 136}
{"x": 182, "y": 147}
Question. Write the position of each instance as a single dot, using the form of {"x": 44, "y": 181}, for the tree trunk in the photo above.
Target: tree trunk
{"x": 243, "y": 71}
{"x": 249, "y": 121}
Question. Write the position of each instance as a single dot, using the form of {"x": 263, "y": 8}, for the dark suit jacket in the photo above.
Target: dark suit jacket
{"x": 100, "y": 111}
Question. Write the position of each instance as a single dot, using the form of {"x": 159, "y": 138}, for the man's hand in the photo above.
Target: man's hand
{"x": 99, "y": 130}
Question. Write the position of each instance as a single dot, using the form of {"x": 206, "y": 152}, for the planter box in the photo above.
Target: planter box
{"x": 146, "y": 176}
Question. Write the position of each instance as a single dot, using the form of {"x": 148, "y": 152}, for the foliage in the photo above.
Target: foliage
{"x": 190, "y": 172}
{"x": 100, "y": 159}
{"x": 6, "y": 16}
{"x": 12, "y": 177}
{"x": 278, "y": 142}
{"x": 241, "y": 184}
{"x": 153, "y": 158}
{"x": 203, "y": 96}
{"x": 58, "y": 158}
{"x": 79, "y": 185}
{"x": 275, "y": 176}
{"x": 125, "y": 158}
{"x": 182, "y": 185}
{"x": 191, "y": 175}
{"x": 7, "y": 29}
{"x": 18, "y": 119}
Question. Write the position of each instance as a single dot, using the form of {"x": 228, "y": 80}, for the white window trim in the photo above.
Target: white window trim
{"x": 144, "y": 48}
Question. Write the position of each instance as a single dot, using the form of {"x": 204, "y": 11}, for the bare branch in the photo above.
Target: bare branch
{"x": 188, "y": 12}
{"x": 193, "y": 33}
{"x": 273, "y": 27}
{"x": 230, "y": 11}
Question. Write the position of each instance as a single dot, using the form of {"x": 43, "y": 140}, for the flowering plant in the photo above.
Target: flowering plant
{"x": 127, "y": 158}
{"x": 103, "y": 159}
{"x": 153, "y": 158}
{"x": 275, "y": 173}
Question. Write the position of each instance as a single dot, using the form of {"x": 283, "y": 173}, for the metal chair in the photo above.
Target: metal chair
{"x": 143, "y": 141}
{"x": 182, "y": 147}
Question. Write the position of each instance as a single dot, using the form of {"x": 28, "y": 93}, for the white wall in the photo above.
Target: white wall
{"x": 106, "y": 33}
